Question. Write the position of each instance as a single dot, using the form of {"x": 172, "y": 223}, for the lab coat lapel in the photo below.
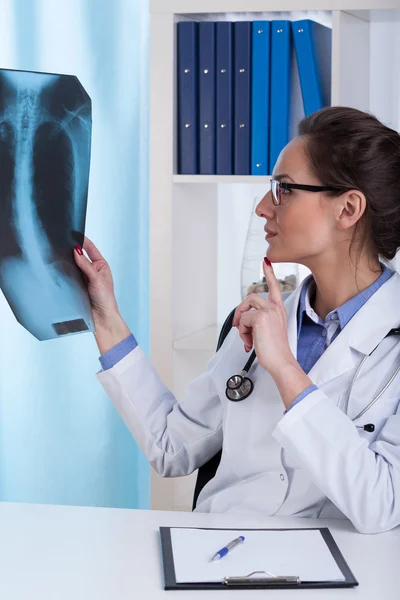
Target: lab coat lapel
{"x": 360, "y": 336}
{"x": 291, "y": 305}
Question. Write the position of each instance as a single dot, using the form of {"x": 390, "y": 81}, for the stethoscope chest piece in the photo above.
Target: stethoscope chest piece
{"x": 239, "y": 387}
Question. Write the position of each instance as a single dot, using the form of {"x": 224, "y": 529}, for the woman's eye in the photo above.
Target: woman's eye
{"x": 285, "y": 191}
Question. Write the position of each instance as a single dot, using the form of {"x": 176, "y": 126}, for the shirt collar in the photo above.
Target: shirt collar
{"x": 345, "y": 312}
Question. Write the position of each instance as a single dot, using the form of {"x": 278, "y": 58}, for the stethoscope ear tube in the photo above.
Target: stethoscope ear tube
{"x": 370, "y": 427}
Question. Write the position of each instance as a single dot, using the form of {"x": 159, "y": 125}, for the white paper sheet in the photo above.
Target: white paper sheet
{"x": 299, "y": 552}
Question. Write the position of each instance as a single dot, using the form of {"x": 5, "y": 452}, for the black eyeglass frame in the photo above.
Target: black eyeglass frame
{"x": 299, "y": 186}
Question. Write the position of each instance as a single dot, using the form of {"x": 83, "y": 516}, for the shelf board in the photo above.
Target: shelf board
{"x": 205, "y": 339}
{"x": 221, "y": 178}
{"x": 183, "y": 7}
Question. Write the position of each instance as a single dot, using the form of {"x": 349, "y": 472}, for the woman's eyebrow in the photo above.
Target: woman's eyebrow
{"x": 282, "y": 176}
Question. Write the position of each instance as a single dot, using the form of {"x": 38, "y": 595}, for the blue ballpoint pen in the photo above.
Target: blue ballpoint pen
{"x": 224, "y": 551}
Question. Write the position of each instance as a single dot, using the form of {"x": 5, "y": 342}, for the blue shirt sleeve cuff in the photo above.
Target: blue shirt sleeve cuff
{"x": 118, "y": 352}
{"x": 300, "y": 397}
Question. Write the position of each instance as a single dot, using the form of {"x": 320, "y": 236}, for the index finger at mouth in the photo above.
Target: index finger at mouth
{"x": 274, "y": 289}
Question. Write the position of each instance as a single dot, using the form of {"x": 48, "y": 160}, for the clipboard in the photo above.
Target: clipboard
{"x": 257, "y": 579}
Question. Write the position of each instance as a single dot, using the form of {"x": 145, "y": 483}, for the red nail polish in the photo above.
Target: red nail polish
{"x": 267, "y": 262}
{"x": 78, "y": 249}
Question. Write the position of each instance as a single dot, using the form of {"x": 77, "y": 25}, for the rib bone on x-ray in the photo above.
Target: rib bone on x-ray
{"x": 45, "y": 138}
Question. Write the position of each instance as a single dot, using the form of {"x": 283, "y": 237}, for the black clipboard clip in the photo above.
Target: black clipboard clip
{"x": 269, "y": 578}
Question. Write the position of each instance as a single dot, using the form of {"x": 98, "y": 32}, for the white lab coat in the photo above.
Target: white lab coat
{"x": 311, "y": 462}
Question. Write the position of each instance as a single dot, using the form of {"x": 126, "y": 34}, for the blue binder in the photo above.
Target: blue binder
{"x": 242, "y": 97}
{"x": 260, "y": 98}
{"x": 207, "y": 98}
{"x": 313, "y": 45}
{"x": 187, "y": 98}
{"x": 224, "y": 98}
{"x": 280, "y": 88}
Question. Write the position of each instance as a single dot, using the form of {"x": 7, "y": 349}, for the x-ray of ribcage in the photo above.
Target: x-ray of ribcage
{"x": 45, "y": 137}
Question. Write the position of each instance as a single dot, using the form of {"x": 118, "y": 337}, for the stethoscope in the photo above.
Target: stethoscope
{"x": 239, "y": 387}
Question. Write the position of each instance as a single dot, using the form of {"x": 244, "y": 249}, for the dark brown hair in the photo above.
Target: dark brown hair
{"x": 352, "y": 150}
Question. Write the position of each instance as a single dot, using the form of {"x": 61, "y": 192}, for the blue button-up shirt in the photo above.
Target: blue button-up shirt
{"x": 313, "y": 334}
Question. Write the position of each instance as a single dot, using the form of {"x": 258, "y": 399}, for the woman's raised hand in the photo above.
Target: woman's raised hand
{"x": 110, "y": 327}
{"x": 265, "y": 327}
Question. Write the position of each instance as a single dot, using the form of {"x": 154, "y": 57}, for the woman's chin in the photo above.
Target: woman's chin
{"x": 272, "y": 254}
{"x": 278, "y": 257}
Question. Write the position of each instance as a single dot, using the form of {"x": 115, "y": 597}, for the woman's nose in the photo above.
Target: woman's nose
{"x": 265, "y": 207}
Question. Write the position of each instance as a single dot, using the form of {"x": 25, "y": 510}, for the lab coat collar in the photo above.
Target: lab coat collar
{"x": 361, "y": 335}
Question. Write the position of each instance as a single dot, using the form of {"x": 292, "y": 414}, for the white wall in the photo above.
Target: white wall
{"x": 385, "y": 76}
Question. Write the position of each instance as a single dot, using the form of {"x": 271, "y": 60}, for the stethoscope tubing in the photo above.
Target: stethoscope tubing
{"x": 243, "y": 377}
{"x": 250, "y": 362}
{"x": 395, "y": 331}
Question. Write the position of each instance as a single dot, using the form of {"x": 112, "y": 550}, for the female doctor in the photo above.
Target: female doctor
{"x": 297, "y": 444}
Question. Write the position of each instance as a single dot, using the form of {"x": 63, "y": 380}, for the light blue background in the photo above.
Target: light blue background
{"x": 61, "y": 440}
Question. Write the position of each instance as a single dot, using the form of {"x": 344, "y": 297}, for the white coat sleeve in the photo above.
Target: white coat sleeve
{"x": 362, "y": 481}
{"x": 176, "y": 438}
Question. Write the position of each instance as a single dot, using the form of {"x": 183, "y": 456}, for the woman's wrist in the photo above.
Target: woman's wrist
{"x": 291, "y": 380}
{"x": 110, "y": 332}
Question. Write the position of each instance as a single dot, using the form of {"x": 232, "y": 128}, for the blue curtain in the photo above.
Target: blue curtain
{"x": 61, "y": 440}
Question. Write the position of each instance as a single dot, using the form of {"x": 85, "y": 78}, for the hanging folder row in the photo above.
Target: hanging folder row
{"x": 234, "y": 91}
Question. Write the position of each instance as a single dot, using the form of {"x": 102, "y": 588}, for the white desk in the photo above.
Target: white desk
{"x": 71, "y": 553}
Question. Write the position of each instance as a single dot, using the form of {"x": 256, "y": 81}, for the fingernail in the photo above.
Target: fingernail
{"x": 78, "y": 249}
{"x": 267, "y": 262}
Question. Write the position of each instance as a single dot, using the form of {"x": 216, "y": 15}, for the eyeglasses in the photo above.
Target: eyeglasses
{"x": 280, "y": 189}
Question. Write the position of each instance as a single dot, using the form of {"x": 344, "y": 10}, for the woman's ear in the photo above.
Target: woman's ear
{"x": 351, "y": 207}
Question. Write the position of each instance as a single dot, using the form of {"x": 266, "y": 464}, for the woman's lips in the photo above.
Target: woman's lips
{"x": 270, "y": 235}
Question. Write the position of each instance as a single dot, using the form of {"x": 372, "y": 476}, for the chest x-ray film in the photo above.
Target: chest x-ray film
{"x": 45, "y": 138}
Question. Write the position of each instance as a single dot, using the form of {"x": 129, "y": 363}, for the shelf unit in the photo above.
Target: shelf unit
{"x": 188, "y": 227}
{"x": 220, "y": 179}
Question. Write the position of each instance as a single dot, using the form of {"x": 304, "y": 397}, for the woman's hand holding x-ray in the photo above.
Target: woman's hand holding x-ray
{"x": 110, "y": 327}
{"x": 262, "y": 323}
